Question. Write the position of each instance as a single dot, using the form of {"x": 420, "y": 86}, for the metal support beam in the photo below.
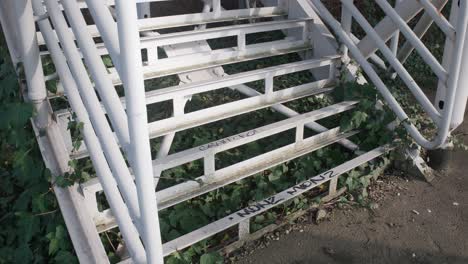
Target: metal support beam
{"x": 31, "y": 62}
{"x": 140, "y": 152}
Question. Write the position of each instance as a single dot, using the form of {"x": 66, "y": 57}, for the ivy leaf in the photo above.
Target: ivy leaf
{"x": 259, "y": 219}
{"x": 275, "y": 175}
{"x": 107, "y": 62}
{"x": 211, "y": 258}
{"x": 51, "y": 86}
{"x": 28, "y": 226}
{"x": 53, "y": 246}
{"x": 39, "y": 203}
{"x": 174, "y": 218}
{"x": 358, "y": 118}
{"x": 350, "y": 183}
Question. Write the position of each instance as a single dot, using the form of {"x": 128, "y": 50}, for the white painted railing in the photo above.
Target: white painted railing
{"x": 396, "y": 20}
{"x": 120, "y": 148}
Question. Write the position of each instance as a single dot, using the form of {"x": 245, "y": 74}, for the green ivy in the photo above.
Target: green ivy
{"x": 371, "y": 116}
{"x": 33, "y": 230}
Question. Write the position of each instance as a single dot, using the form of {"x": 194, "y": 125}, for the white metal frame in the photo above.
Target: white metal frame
{"x": 130, "y": 187}
{"x": 394, "y": 21}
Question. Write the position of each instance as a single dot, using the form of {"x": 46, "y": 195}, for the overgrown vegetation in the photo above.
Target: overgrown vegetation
{"x": 34, "y": 231}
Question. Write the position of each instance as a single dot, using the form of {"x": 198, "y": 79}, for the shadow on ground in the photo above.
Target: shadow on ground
{"x": 415, "y": 222}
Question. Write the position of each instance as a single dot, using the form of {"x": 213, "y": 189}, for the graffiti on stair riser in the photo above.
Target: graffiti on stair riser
{"x": 273, "y": 200}
{"x": 227, "y": 140}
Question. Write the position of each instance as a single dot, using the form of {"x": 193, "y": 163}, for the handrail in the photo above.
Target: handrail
{"x": 452, "y": 82}
{"x": 103, "y": 171}
{"x": 140, "y": 151}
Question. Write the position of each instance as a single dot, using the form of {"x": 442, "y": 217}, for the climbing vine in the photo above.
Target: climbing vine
{"x": 33, "y": 230}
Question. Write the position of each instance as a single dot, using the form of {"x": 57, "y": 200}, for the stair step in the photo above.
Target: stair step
{"x": 222, "y": 177}
{"x": 203, "y": 60}
{"x": 212, "y": 114}
{"x": 183, "y": 90}
{"x": 206, "y": 18}
{"x": 245, "y": 137}
{"x": 191, "y": 189}
{"x": 157, "y": 23}
{"x": 227, "y": 31}
{"x": 268, "y": 203}
{"x": 220, "y": 57}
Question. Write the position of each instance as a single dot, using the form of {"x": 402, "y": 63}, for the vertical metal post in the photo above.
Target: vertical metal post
{"x": 244, "y": 229}
{"x": 9, "y": 30}
{"x": 283, "y": 4}
{"x": 299, "y": 133}
{"x": 241, "y": 44}
{"x": 346, "y": 22}
{"x": 29, "y": 51}
{"x": 394, "y": 41}
{"x": 269, "y": 85}
{"x": 446, "y": 60}
{"x": 332, "y": 187}
{"x": 462, "y": 90}
{"x": 396, "y": 36}
{"x": 140, "y": 152}
{"x": 144, "y": 10}
{"x": 209, "y": 165}
{"x": 216, "y": 7}
{"x": 457, "y": 68}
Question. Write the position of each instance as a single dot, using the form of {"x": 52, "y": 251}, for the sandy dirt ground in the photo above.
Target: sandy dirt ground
{"x": 414, "y": 222}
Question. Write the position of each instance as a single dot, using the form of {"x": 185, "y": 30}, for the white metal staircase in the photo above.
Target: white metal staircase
{"x": 116, "y": 130}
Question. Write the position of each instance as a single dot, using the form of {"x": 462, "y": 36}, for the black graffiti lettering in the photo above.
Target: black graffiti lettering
{"x": 297, "y": 188}
{"x": 251, "y": 133}
{"x": 317, "y": 180}
{"x": 227, "y": 140}
{"x": 220, "y": 142}
{"x": 203, "y": 147}
{"x": 250, "y": 210}
{"x": 272, "y": 200}
{"x": 329, "y": 174}
{"x": 293, "y": 190}
{"x": 323, "y": 176}
{"x": 247, "y": 211}
{"x": 306, "y": 184}
{"x": 242, "y": 214}
{"x": 259, "y": 206}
